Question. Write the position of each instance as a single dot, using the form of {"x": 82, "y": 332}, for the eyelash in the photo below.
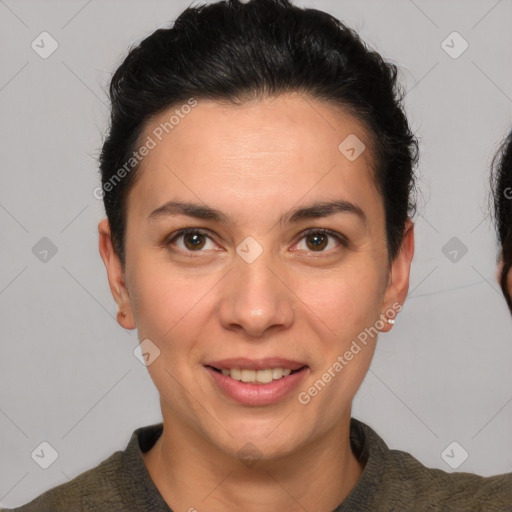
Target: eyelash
{"x": 323, "y": 231}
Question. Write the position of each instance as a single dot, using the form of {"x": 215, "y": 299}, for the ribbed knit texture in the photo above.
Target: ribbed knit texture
{"x": 392, "y": 481}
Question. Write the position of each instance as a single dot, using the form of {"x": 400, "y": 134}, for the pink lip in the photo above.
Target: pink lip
{"x": 256, "y": 364}
{"x": 258, "y": 394}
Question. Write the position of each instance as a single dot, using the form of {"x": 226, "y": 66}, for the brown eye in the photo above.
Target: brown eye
{"x": 193, "y": 241}
{"x": 322, "y": 241}
{"x": 317, "y": 241}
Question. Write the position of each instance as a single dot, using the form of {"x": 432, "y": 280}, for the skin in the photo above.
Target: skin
{"x": 509, "y": 276}
{"x": 294, "y": 301}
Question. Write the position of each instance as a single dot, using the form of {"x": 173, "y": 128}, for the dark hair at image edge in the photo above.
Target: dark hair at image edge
{"x": 502, "y": 195}
{"x": 233, "y": 52}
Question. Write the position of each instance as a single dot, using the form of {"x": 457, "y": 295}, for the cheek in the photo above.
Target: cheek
{"x": 164, "y": 300}
{"x": 346, "y": 301}
{"x": 170, "y": 311}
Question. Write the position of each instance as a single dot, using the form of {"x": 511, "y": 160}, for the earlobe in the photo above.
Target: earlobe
{"x": 115, "y": 274}
{"x": 386, "y": 321}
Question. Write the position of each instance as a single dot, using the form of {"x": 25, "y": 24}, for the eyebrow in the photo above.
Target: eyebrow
{"x": 316, "y": 210}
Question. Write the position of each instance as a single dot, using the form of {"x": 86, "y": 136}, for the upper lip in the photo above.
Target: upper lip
{"x": 256, "y": 364}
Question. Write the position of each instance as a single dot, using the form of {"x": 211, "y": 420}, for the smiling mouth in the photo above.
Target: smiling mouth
{"x": 263, "y": 376}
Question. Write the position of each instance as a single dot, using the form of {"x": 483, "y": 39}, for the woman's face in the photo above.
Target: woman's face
{"x": 255, "y": 285}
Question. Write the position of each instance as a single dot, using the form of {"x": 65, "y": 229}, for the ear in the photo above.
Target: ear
{"x": 398, "y": 280}
{"x": 506, "y": 286}
{"x": 115, "y": 273}
{"x": 499, "y": 270}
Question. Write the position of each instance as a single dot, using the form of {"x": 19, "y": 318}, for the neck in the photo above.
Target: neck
{"x": 191, "y": 474}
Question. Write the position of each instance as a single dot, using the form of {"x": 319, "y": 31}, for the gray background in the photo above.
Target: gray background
{"x": 68, "y": 375}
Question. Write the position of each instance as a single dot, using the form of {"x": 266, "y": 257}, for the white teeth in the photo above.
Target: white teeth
{"x": 264, "y": 376}
{"x": 277, "y": 373}
{"x": 260, "y": 376}
{"x": 248, "y": 375}
{"x": 235, "y": 374}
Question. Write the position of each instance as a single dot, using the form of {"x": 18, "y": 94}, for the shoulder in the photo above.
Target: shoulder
{"x": 431, "y": 487}
{"x": 119, "y": 483}
{"x": 89, "y": 491}
{"x": 394, "y": 481}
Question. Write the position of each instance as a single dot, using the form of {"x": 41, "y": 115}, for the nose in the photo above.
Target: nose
{"x": 255, "y": 298}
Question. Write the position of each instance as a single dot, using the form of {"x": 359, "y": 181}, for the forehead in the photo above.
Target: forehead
{"x": 263, "y": 150}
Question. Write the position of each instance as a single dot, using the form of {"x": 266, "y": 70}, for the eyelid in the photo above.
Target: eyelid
{"x": 182, "y": 232}
{"x": 342, "y": 239}
{"x": 168, "y": 242}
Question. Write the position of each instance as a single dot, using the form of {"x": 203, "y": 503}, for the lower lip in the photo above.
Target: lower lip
{"x": 257, "y": 394}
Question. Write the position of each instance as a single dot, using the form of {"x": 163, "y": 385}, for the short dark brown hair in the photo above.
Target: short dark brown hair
{"x": 234, "y": 51}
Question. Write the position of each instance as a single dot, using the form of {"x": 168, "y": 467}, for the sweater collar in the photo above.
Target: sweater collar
{"x": 368, "y": 447}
